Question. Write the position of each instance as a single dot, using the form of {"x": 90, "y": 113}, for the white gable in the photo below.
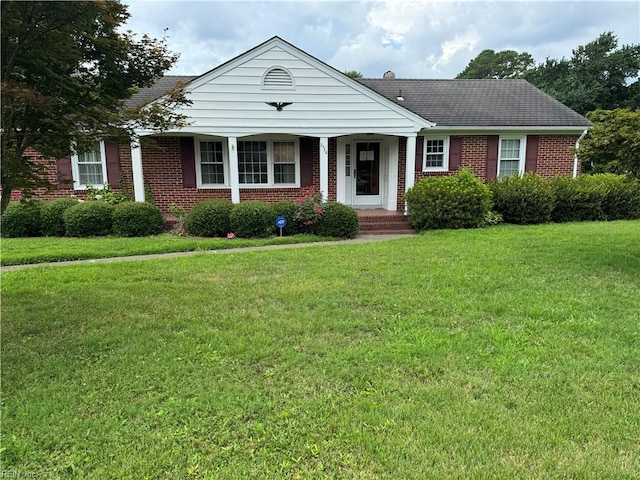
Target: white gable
{"x": 232, "y": 100}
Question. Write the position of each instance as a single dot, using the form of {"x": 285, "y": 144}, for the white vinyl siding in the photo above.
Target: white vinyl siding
{"x": 435, "y": 157}
{"x": 511, "y": 157}
{"x": 90, "y": 167}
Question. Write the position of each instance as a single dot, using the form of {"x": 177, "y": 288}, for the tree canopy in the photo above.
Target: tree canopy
{"x": 66, "y": 68}
{"x": 353, "y": 74}
{"x": 504, "y": 64}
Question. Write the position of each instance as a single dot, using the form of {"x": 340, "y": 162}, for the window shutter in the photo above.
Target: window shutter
{"x": 188, "y": 162}
{"x": 455, "y": 153}
{"x": 65, "y": 175}
{"x": 306, "y": 162}
{"x": 492, "y": 157}
{"x": 419, "y": 150}
{"x": 112, "y": 154}
{"x": 531, "y": 157}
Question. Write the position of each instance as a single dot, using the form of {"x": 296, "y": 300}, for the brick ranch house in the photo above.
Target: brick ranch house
{"x": 275, "y": 120}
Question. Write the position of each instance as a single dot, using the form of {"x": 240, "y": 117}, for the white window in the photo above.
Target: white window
{"x": 435, "y": 156}
{"x": 268, "y": 162}
{"x": 211, "y": 158}
{"x": 511, "y": 157}
{"x": 90, "y": 167}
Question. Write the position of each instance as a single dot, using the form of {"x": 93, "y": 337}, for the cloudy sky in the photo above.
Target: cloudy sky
{"x": 415, "y": 39}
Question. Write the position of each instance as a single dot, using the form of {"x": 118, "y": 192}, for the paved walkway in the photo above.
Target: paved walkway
{"x": 358, "y": 239}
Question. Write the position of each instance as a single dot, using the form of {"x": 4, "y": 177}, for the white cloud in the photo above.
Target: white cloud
{"x": 450, "y": 48}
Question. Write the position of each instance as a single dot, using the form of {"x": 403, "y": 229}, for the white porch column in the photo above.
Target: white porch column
{"x": 136, "y": 166}
{"x": 233, "y": 169}
{"x": 411, "y": 166}
{"x": 324, "y": 167}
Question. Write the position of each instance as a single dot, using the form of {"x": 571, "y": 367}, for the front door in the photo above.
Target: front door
{"x": 367, "y": 189}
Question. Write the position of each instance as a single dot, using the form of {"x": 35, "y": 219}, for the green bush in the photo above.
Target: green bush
{"x": 460, "y": 201}
{"x": 576, "y": 200}
{"x": 137, "y": 219}
{"x": 523, "y": 199}
{"x": 209, "y": 218}
{"x": 51, "y": 216}
{"x": 620, "y": 195}
{"x": 22, "y": 219}
{"x": 88, "y": 219}
{"x": 338, "y": 220}
{"x": 252, "y": 219}
{"x": 287, "y": 209}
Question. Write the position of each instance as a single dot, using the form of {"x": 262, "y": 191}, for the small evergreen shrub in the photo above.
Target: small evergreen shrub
{"x": 137, "y": 219}
{"x": 576, "y": 200}
{"x": 252, "y": 219}
{"x": 620, "y": 195}
{"x": 88, "y": 219}
{"x": 460, "y": 201}
{"x": 338, "y": 220}
{"x": 51, "y": 216}
{"x": 287, "y": 209}
{"x": 209, "y": 218}
{"x": 22, "y": 219}
{"x": 523, "y": 199}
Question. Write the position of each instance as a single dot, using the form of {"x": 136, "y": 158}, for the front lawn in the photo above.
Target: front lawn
{"x": 17, "y": 251}
{"x": 508, "y": 352}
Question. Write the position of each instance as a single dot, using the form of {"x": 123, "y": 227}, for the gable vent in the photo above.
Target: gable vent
{"x": 278, "y": 77}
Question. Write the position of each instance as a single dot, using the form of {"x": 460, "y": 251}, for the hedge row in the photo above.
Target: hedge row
{"x": 68, "y": 216}
{"x": 462, "y": 201}
{"x": 219, "y": 218}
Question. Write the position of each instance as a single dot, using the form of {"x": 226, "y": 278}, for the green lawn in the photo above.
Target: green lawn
{"x": 17, "y": 251}
{"x": 508, "y": 352}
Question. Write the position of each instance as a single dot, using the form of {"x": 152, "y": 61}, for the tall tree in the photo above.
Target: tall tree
{"x": 353, "y": 74}
{"x": 66, "y": 68}
{"x": 504, "y": 64}
{"x": 599, "y": 75}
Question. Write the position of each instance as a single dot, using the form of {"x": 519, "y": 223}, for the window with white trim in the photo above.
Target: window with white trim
{"x": 511, "y": 157}
{"x": 90, "y": 167}
{"x": 268, "y": 162}
{"x": 435, "y": 156}
{"x": 212, "y": 164}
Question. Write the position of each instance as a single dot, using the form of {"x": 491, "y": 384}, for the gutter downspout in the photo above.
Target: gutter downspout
{"x": 575, "y": 155}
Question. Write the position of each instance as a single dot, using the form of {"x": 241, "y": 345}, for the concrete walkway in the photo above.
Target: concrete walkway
{"x": 358, "y": 239}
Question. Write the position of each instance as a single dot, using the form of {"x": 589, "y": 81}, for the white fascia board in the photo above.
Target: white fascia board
{"x": 314, "y": 62}
{"x": 486, "y": 129}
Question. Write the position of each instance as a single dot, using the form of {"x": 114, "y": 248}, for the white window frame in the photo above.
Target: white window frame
{"x": 445, "y": 153}
{"x": 225, "y": 162}
{"x": 270, "y": 163}
{"x": 521, "y": 153}
{"x": 75, "y": 169}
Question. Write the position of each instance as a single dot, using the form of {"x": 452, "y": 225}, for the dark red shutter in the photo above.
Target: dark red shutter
{"x": 492, "y": 157}
{"x": 112, "y": 152}
{"x": 65, "y": 173}
{"x": 531, "y": 157}
{"x": 455, "y": 153}
{"x": 306, "y": 162}
{"x": 188, "y": 162}
{"x": 419, "y": 150}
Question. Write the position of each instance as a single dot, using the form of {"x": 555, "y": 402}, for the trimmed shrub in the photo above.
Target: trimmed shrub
{"x": 209, "y": 218}
{"x": 338, "y": 220}
{"x": 137, "y": 219}
{"x": 620, "y": 195}
{"x": 88, "y": 219}
{"x": 523, "y": 199}
{"x": 252, "y": 219}
{"x": 575, "y": 200}
{"x": 287, "y": 209}
{"x": 460, "y": 201}
{"x": 22, "y": 219}
{"x": 51, "y": 216}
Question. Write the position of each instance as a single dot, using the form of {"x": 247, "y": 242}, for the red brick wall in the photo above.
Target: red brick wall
{"x": 555, "y": 155}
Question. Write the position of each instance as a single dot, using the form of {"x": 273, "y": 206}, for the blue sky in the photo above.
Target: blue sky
{"x": 415, "y": 39}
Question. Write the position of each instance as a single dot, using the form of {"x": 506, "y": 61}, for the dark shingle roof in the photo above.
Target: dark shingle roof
{"x": 449, "y": 103}
{"x": 468, "y": 103}
{"x": 162, "y": 86}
